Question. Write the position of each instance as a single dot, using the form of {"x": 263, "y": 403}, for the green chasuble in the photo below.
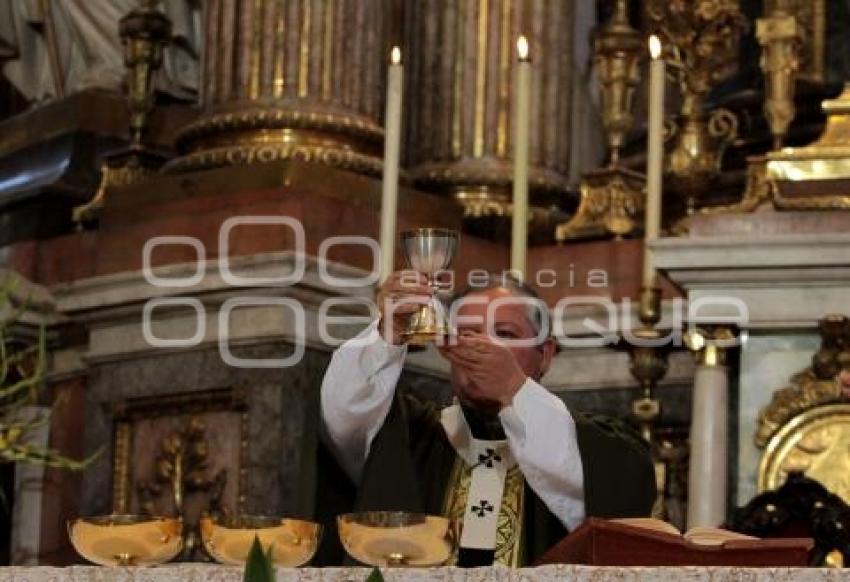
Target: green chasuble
{"x": 410, "y": 466}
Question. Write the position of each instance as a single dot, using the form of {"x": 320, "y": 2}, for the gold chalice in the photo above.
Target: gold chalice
{"x": 397, "y": 538}
{"x": 429, "y": 251}
{"x": 228, "y": 541}
{"x": 127, "y": 540}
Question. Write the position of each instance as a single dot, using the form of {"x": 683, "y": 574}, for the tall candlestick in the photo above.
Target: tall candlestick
{"x": 654, "y": 156}
{"x": 392, "y": 146}
{"x": 522, "y": 111}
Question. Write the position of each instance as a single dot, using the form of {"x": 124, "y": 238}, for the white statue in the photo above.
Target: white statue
{"x": 53, "y": 48}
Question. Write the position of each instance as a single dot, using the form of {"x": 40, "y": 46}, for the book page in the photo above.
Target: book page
{"x": 651, "y": 524}
{"x": 712, "y": 536}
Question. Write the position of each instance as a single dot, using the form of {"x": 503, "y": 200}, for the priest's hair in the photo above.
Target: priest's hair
{"x": 536, "y": 310}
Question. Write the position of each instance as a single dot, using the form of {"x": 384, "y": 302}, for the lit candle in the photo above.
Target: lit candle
{"x": 522, "y": 111}
{"x": 654, "y": 156}
{"x": 392, "y": 146}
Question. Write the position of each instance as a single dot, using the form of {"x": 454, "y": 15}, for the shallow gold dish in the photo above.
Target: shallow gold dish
{"x": 127, "y": 540}
{"x": 228, "y": 541}
{"x": 397, "y": 538}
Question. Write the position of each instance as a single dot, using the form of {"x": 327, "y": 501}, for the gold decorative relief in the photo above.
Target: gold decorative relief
{"x": 612, "y": 202}
{"x": 181, "y": 455}
{"x": 806, "y": 426}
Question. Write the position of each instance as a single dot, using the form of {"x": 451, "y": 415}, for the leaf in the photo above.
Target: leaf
{"x": 375, "y": 575}
{"x": 258, "y": 566}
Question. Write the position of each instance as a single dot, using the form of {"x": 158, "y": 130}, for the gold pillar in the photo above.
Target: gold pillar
{"x": 290, "y": 79}
{"x": 463, "y": 53}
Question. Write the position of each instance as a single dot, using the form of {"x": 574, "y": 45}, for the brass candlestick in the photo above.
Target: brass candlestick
{"x": 648, "y": 366}
{"x": 144, "y": 32}
{"x": 612, "y": 197}
{"x": 648, "y": 362}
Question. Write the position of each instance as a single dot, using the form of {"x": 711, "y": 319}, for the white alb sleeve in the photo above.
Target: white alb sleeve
{"x": 356, "y": 395}
{"x": 542, "y": 436}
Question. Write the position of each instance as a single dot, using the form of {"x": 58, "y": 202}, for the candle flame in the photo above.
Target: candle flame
{"x": 654, "y": 46}
{"x": 522, "y": 48}
{"x": 395, "y": 55}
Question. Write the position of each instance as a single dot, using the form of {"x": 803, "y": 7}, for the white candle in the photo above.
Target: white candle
{"x": 522, "y": 111}
{"x": 708, "y": 447}
{"x": 654, "y": 156}
{"x": 392, "y": 146}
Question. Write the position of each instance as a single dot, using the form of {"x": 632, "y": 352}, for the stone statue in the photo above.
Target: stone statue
{"x": 52, "y": 48}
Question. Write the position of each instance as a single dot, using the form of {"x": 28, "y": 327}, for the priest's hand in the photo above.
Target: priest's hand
{"x": 484, "y": 370}
{"x": 399, "y": 297}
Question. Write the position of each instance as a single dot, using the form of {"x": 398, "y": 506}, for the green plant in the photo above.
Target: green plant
{"x": 259, "y": 566}
{"x": 22, "y": 370}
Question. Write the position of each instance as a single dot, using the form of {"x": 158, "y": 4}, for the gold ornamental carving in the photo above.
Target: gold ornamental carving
{"x": 780, "y": 39}
{"x": 758, "y": 190}
{"x": 806, "y": 426}
{"x": 181, "y": 470}
{"x": 301, "y": 79}
{"x": 198, "y": 461}
{"x": 612, "y": 201}
{"x": 701, "y": 40}
{"x": 459, "y": 140}
{"x": 612, "y": 198}
{"x": 810, "y": 16}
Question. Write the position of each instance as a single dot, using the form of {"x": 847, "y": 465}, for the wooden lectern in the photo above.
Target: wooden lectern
{"x": 598, "y": 542}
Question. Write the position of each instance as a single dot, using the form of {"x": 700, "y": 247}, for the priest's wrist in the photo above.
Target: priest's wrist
{"x": 517, "y": 381}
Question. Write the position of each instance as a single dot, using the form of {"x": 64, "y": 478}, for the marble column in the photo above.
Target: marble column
{"x": 460, "y": 134}
{"x": 290, "y": 79}
{"x": 709, "y": 441}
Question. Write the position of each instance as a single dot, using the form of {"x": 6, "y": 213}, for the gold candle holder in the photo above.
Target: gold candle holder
{"x": 145, "y": 31}
{"x": 612, "y": 197}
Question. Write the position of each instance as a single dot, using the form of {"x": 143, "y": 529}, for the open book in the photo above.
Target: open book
{"x": 705, "y": 536}
{"x": 650, "y": 542}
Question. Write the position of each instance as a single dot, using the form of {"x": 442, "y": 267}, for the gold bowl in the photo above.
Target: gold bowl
{"x": 127, "y": 540}
{"x": 228, "y": 540}
{"x": 397, "y": 538}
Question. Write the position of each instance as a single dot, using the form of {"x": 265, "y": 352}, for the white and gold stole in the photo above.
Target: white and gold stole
{"x": 485, "y": 491}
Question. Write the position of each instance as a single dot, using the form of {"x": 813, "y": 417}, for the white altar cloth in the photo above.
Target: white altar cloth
{"x": 210, "y": 573}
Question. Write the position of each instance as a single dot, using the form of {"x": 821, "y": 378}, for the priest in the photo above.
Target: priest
{"x": 508, "y": 458}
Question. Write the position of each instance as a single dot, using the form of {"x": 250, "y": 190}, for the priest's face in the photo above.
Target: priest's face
{"x": 483, "y": 377}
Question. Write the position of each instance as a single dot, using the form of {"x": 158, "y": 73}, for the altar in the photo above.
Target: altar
{"x": 208, "y": 573}
{"x": 198, "y": 215}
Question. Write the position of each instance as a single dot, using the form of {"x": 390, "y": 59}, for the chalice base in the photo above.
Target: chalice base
{"x": 424, "y": 337}
{"x": 427, "y": 325}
